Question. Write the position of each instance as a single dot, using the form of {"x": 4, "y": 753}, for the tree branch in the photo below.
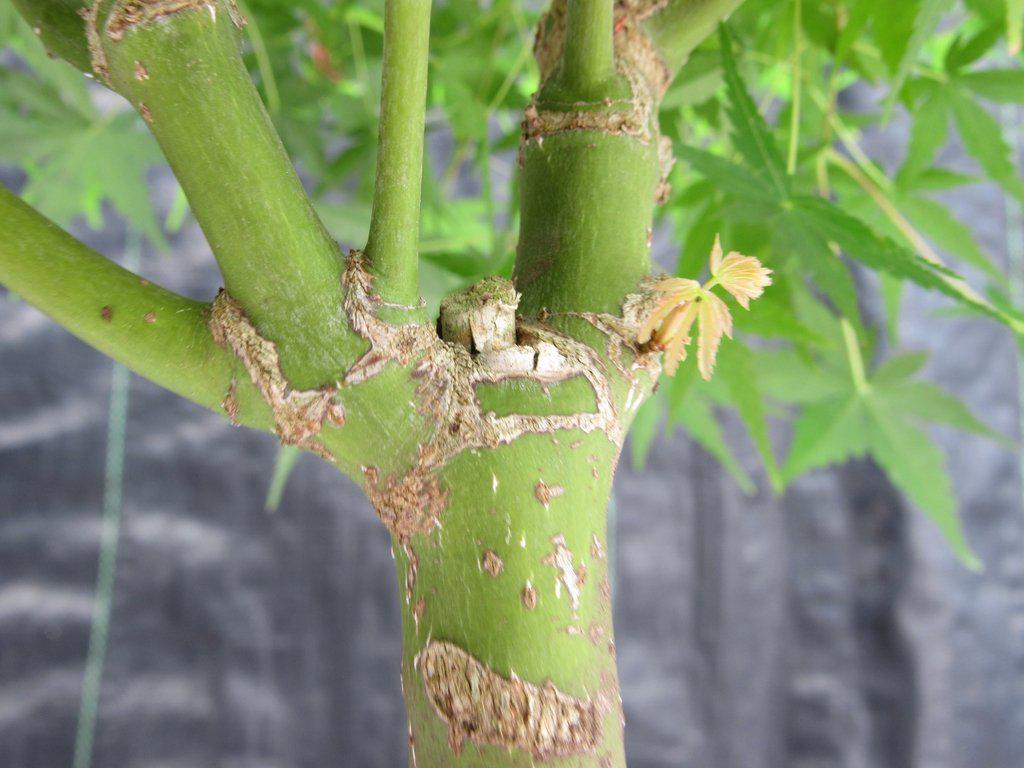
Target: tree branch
{"x": 183, "y": 71}
{"x": 59, "y": 25}
{"x": 286, "y": 321}
{"x": 590, "y": 167}
{"x": 392, "y": 248}
{"x": 158, "y": 334}
{"x": 682, "y": 25}
{"x": 588, "y": 64}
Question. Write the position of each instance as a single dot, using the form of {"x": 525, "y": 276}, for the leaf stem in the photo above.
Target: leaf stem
{"x": 392, "y": 248}
{"x": 794, "y": 115}
{"x": 588, "y": 62}
{"x": 681, "y": 25}
{"x": 853, "y": 354}
{"x": 880, "y": 199}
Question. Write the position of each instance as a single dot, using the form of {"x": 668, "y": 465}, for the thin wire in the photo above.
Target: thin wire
{"x": 113, "y": 493}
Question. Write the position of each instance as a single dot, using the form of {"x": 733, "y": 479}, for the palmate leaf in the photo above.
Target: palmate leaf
{"x": 883, "y": 419}
{"x": 69, "y": 166}
{"x": 696, "y": 415}
{"x": 691, "y": 406}
{"x": 939, "y": 223}
{"x": 739, "y": 374}
{"x": 894, "y": 35}
{"x": 813, "y": 253}
{"x": 927, "y": 15}
{"x": 1005, "y": 86}
{"x": 809, "y": 225}
{"x": 826, "y": 433}
{"x": 751, "y": 135}
{"x": 917, "y": 467}
{"x": 929, "y": 133}
{"x": 880, "y": 253}
{"x": 929, "y": 218}
{"x": 984, "y": 141}
{"x": 897, "y": 369}
{"x": 927, "y": 402}
{"x": 965, "y": 50}
{"x": 729, "y": 176}
{"x": 75, "y": 158}
{"x": 646, "y": 426}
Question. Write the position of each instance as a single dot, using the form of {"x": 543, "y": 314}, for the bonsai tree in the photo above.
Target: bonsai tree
{"x": 486, "y": 425}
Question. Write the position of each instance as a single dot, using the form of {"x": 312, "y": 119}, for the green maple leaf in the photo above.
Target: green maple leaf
{"x": 883, "y": 417}
{"x": 76, "y": 158}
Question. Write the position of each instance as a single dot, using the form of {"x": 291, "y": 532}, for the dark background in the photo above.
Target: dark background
{"x": 828, "y": 627}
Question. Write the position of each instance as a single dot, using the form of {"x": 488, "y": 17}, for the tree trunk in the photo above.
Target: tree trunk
{"x": 509, "y": 652}
{"x": 489, "y": 449}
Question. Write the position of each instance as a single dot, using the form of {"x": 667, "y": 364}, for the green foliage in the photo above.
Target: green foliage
{"x": 942, "y": 65}
{"x": 839, "y": 212}
{"x": 77, "y": 155}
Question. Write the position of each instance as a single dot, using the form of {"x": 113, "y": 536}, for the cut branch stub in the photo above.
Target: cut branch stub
{"x": 481, "y": 318}
{"x": 483, "y": 344}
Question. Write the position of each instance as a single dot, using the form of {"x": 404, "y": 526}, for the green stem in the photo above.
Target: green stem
{"x": 524, "y": 614}
{"x": 259, "y": 48}
{"x": 854, "y": 356}
{"x": 394, "y": 226}
{"x": 186, "y": 75}
{"x": 59, "y": 25}
{"x": 794, "y": 117}
{"x": 682, "y": 25}
{"x": 158, "y": 334}
{"x": 587, "y": 202}
{"x": 588, "y": 62}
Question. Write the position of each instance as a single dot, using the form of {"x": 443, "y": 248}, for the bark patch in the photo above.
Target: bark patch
{"x": 299, "y": 415}
{"x": 486, "y": 708}
{"x": 407, "y": 504}
{"x": 492, "y": 562}
{"x": 568, "y": 578}
{"x": 447, "y": 374}
{"x": 135, "y": 13}
{"x": 545, "y": 493}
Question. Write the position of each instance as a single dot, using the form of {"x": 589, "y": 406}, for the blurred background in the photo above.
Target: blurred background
{"x": 154, "y": 612}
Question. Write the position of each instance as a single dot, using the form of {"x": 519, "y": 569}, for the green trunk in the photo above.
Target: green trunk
{"x": 489, "y": 453}
{"x": 517, "y": 578}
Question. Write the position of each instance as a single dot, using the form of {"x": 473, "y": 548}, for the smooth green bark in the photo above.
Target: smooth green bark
{"x": 587, "y": 208}
{"x": 60, "y": 26}
{"x": 494, "y": 505}
{"x": 158, "y": 334}
{"x": 186, "y": 75}
{"x": 682, "y": 25}
{"x": 392, "y": 248}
